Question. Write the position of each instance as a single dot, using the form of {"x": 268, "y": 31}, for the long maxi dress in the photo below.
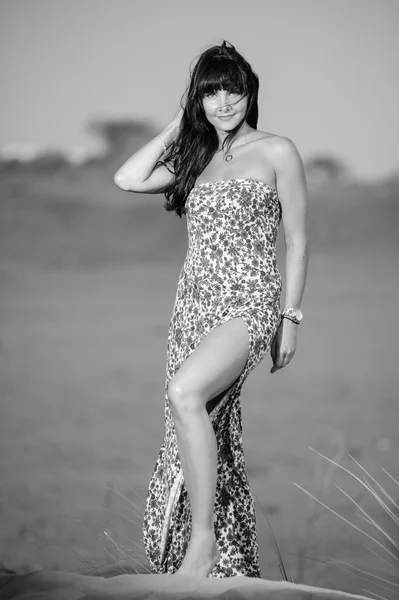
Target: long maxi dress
{"x": 230, "y": 271}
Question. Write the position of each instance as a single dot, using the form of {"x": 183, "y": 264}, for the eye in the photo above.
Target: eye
{"x": 210, "y": 94}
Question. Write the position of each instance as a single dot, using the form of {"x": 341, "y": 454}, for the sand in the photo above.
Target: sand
{"x": 48, "y": 585}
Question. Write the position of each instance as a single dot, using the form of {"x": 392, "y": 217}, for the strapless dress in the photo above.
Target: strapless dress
{"x": 230, "y": 271}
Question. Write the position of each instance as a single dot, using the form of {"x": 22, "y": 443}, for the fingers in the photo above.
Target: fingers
{"x": 282, "y": 350}
{"x": 277, "y": 366}
{"x": 273, "y": 349}
{"x": 280, "y": 362}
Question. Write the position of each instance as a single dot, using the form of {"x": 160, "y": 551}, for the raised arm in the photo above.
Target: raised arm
{"x": 139, "y": 173}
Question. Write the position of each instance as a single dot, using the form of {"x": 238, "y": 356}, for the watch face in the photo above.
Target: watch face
{"x": 295, "y": 312}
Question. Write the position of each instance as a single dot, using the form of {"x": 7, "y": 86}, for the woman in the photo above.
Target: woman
{"x": 234, "y": 184}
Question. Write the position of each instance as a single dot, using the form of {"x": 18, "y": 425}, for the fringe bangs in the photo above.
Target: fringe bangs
{"x": 221, "y": 74}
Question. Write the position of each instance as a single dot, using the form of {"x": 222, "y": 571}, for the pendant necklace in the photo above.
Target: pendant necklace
{"x": 229, "y": 156}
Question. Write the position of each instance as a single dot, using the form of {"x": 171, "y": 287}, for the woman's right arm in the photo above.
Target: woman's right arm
{"x": 139, "y": 173}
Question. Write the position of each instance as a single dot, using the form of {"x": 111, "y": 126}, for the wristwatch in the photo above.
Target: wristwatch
{"x": 293, "y": 314}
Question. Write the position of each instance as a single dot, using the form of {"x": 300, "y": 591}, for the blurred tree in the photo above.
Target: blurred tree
{"x": 10, "y": 165}
{"x": 326, "y": 168}
{"x": 49, "y": 161}
{"x": 122, "y": 139}
{"x": 44, "y": 162}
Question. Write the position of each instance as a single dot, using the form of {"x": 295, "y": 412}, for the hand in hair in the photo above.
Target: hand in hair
{"x": 175, "y": 123}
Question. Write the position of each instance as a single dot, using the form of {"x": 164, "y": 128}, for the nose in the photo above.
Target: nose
{"x": 224, "y": 106}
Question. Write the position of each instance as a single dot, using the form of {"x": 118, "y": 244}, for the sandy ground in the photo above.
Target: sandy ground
{"x": 81, "y": 419}
{"x": 57, "y": 585}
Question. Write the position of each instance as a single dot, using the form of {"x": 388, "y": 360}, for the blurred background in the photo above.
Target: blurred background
{"x": 88, "y": 274}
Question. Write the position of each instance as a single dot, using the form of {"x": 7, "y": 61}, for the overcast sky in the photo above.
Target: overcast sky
{"x": 328, "y": 68}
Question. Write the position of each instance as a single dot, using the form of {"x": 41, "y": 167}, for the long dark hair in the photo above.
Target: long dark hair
{"x": 218, "y": 68}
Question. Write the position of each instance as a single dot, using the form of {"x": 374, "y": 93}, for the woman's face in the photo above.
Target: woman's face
{"x": 225, "y": 110}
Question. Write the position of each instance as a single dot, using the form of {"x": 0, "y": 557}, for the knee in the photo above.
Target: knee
{"x": 182, "y": 398}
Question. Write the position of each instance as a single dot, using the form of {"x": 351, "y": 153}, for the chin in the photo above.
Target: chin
{"x": 226, "y": 125}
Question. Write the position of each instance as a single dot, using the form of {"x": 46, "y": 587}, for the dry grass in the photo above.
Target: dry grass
{"x": 380, "y": 527}
{"x": 125, "y": 556}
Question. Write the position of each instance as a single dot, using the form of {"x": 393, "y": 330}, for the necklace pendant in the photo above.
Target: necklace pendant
{"x": 229, "y": 157}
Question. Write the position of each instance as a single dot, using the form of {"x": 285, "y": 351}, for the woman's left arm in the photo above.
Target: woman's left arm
{"x": 293, "y": 196}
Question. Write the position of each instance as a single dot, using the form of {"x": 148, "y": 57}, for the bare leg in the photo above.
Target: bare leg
{"x": 211, "y": 369}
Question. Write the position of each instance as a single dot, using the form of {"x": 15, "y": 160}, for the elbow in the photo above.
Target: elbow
{"x": 121, "y": 182}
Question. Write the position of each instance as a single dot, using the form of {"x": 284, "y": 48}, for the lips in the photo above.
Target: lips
{"x": 226, "y": 118}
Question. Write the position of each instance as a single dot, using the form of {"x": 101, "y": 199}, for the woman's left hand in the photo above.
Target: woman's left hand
{"x": 284, "y": 344}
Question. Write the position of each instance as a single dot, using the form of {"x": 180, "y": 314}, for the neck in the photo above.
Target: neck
{"x": 222, "y": 135}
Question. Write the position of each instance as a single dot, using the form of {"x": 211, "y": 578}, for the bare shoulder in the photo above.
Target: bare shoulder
{"x": 281, "y": 150}
{"x": 287, "y": 163}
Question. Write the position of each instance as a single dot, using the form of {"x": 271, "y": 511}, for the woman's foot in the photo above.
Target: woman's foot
{"x": 201, "y": 556}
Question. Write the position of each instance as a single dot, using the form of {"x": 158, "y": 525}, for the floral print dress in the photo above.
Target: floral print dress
{"x": 230, "y": 271}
